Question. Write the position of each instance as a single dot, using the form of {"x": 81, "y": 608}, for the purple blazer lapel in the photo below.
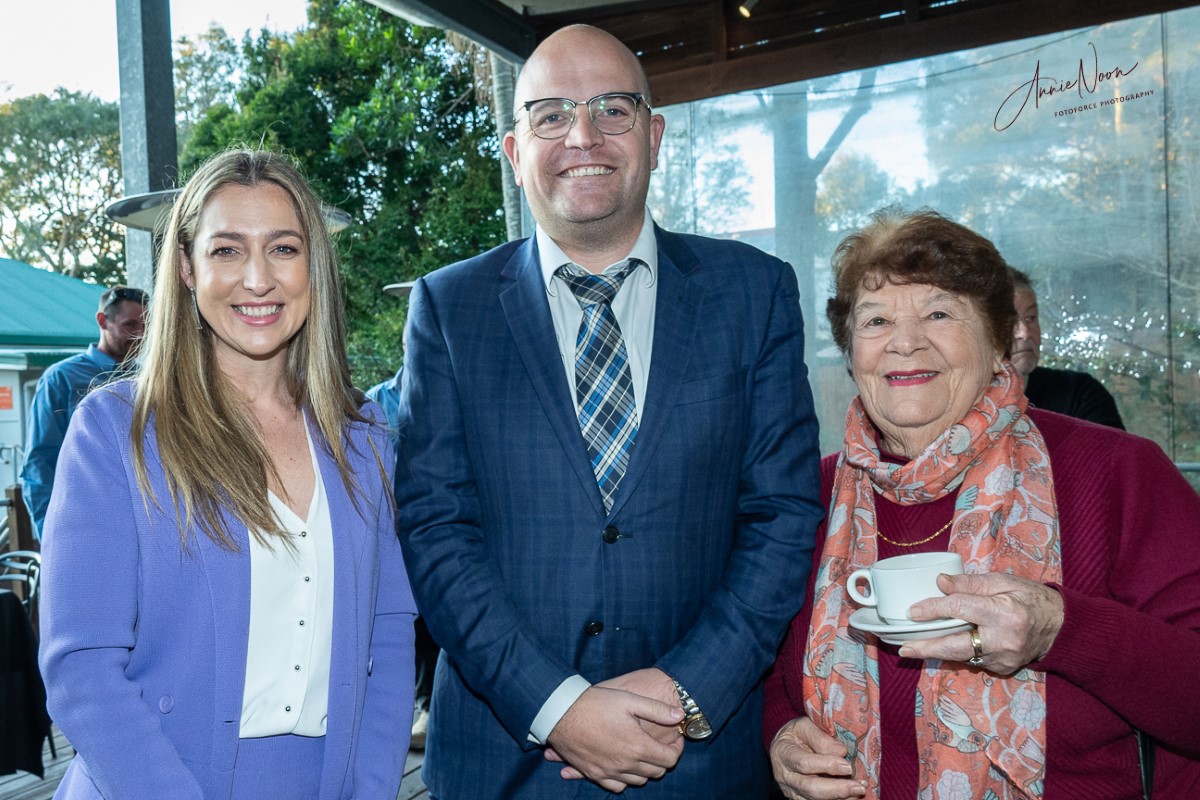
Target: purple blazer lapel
{"x": 350, "y": 597}
{"x": 228, "y": 576}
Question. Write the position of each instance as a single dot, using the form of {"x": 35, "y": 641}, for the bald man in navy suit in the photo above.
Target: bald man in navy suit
{"x": 608, "y": 471}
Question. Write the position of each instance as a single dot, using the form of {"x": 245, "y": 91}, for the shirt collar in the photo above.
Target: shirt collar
{"x": 645, "y": 249}
{"x": 99, "y": 356}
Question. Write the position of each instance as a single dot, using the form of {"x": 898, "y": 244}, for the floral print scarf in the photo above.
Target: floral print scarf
{"x": 979, "y": 735}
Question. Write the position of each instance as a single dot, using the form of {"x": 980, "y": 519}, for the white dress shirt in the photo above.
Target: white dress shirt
{"x": 634, "y": 308}
{"x": 291, "y": 623}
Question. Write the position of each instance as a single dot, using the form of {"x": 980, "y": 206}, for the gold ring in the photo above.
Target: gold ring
{"x": 977, "y": 659}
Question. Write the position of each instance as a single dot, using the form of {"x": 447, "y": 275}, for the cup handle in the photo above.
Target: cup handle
{"x": 853, "y": 591}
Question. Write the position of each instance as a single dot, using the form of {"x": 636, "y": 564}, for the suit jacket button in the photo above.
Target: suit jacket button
{"x": 594, "y": 628}
{"x": 166, "y": 703}
{"x": 611, "y": 534}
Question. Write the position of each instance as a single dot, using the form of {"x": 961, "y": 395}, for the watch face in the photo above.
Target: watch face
{"x": 698, "y": 728}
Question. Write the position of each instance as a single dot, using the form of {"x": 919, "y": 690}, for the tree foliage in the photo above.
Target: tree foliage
{"x": 206, "y": 72}
{"x": 383, "y": 117}
{"x": 61, "y": 167}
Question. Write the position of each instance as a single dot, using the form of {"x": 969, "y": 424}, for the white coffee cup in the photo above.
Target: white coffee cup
{"x": 898, "y": 582}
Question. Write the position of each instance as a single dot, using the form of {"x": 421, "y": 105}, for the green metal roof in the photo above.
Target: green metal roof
{"x": 44, "y": 309}
{"x": 23, "y": 358}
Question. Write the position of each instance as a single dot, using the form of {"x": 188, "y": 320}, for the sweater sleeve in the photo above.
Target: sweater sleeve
{"x": 1123, "y": 631}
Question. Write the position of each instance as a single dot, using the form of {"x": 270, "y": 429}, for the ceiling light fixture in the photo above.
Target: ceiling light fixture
{"x": 745, "y": 7}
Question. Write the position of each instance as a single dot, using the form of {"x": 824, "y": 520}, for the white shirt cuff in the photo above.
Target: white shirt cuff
{"x": 556, "y": 707}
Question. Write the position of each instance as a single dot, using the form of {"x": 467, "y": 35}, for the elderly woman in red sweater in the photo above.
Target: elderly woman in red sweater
{"x": 1075, "y": 623}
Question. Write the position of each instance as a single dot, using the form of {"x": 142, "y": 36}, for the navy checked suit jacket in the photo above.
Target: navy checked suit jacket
{"x": 503, "y": 526}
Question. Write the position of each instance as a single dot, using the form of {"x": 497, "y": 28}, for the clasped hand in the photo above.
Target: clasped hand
{"x": 809, "y": 764}
{"x": 621, "y": 732}
{"x": 1018, "y": 620}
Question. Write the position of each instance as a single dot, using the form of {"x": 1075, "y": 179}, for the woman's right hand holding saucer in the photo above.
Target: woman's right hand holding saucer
{"x": 809, "y": 764}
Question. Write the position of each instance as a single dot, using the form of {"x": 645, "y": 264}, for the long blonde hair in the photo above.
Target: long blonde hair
{"x": 212, "y": 456}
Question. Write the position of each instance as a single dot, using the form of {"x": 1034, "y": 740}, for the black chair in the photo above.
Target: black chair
{"x": 23, "y": 569}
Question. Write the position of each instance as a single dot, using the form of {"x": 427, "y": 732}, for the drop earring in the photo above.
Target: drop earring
{"x": 196, "y": 309}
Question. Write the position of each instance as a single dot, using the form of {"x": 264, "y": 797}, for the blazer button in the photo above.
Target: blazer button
{"x": 594, "y": 628}
{"x": 611, "y": 534}
{"x": 166, "y": 703}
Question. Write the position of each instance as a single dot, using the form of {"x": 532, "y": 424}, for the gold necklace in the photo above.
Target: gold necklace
{"x": 929, "y": 538}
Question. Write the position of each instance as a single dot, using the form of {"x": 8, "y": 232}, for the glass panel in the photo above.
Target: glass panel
{"x": 1182, "y": 58}
{"x": 1088, "y": 185}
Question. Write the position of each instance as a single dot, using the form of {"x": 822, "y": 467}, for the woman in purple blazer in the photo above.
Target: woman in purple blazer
{"x": 226, "y": 612}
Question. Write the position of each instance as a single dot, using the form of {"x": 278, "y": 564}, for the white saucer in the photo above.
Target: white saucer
{"x": 867, "y": 619}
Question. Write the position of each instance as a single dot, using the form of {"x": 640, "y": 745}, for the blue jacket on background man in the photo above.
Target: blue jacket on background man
{"x": 59, "y": 391}
{"x": 387, "y": 395}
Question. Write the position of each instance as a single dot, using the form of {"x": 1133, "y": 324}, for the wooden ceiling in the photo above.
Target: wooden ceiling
{"x": 704, "y": 48}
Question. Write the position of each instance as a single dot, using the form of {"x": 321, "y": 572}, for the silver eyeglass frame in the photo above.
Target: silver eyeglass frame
{"x": 637, "y": 97}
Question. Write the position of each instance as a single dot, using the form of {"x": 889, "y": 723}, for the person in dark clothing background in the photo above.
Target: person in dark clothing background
{"x": 1065, "y": 391}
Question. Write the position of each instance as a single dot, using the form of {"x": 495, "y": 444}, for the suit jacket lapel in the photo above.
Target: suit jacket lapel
{"x": 528, "y": 315}
{"x": 675, "y": 320}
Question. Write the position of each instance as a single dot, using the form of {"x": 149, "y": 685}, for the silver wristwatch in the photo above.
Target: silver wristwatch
{"x": 695, "y": 725}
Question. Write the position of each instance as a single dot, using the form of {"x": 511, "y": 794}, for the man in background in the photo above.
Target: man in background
{"x": 121, "y": 319}
{"x": 1075, "y": 394}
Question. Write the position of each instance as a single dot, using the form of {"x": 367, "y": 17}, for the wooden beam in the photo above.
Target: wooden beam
{"x": 720, "y": 33}
{"x": 488, "y": 22}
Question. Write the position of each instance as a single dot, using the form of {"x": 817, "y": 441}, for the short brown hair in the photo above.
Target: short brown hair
{"x": 921, "y": 247}
{"x": 1021, "y": 281}
{"x": 119, "y": 294}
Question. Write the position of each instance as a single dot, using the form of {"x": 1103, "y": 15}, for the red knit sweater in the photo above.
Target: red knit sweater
{"x": 1128, "y": 654}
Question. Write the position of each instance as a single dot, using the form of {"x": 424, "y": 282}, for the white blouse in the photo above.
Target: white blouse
{"x": 291, "y": 623}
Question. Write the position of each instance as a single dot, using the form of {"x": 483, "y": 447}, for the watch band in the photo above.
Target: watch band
{"x": 695, "y": 724}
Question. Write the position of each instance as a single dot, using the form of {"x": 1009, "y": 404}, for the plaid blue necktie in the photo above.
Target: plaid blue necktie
{"x": 603, "y": 383}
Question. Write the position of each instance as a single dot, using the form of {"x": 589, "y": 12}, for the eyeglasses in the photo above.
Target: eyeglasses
{"x": 612, "y": 114}
{"x": 119, "y": 293}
